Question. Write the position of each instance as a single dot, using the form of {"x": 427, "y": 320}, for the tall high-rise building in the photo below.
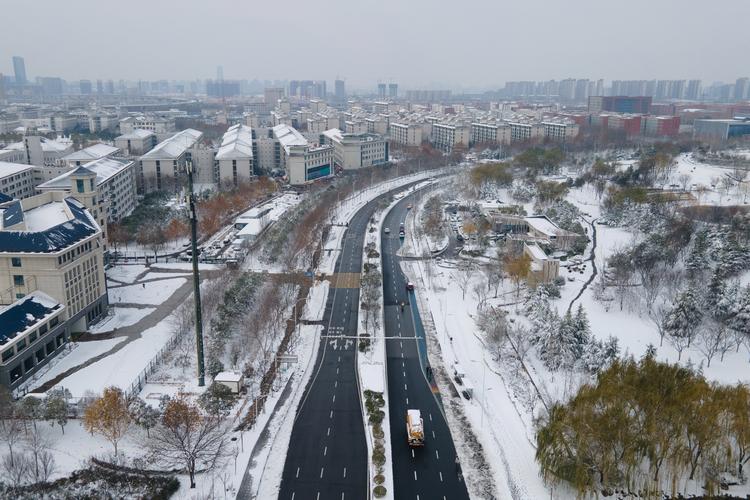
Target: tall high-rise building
{"x": 393, "y": 90}
{"x": 339, "y": 90}
{"x": 381, "y": 90}
{"x": 85, "y": 87}
{"x": 693, "y": 91}
{"x": 19, "y": 68}
{"x": 99, "y": 87}
{"x": 220, "y": 73}
{"x": 742, "y": 89}
{"x": 50, "y": 85}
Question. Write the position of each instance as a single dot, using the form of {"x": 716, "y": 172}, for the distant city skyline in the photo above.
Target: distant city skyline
{"x": 417, "y": 44}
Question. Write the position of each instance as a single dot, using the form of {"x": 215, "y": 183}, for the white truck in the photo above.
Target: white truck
{"x": 414, "y": 428}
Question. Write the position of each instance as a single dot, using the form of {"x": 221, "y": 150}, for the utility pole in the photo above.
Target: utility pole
{"x": 196, "y": 277}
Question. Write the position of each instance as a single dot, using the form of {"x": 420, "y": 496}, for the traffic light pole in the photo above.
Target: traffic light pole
{"x": 196, "y": 278}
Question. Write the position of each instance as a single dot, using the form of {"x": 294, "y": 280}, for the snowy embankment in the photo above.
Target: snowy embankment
{"x": 419, "y": 244}
{"x": 315, "y": 305}
{"x": 493, "y": 417}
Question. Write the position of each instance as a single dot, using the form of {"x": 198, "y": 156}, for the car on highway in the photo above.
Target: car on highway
{"x": 387, "y": 231}
{"x": 409, "y": 206}
{"x": 409, "y": 286}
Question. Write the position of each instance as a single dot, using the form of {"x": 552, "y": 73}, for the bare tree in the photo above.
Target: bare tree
{"x": 463, "y": 276}
{"x": 188, "y": 439}
{"x": 42, "y": 462}
{"x": 713, "y": 338}
{"x": 15, "y": 468}
{"x": 11, "y": 433}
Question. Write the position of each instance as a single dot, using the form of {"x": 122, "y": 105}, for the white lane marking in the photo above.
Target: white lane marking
{"x": 415, "y": 475}
{"x": 321, "y": 472}
{"x": 318, "y": 497}
{"x": 339, "y": 359}
{"x": 433, "y": 434}
{"x": 344, "y": 471}
{"x": 331, "y": 415}
{"x": 342, "y": 495}
{"x": 407, "y": 390}
{"x": 437, "y": 455}
{"x": 325, "y": 451}
{"x": 292, "y": 495}
{"x": 297, "y": 472}
{"x": 337, "y": 371}
{"x": 407, "y": 401}
{"x": 412, "y": 453}
{"x": 334, "y": 399}
{"x": 430, "y": 417}
{"x": 404, "y": 374}
{"x": 335, "y": 384}
{"x": 403, "y": 365}
{"x": 441, "y": 476}
{"x": 329, "y": 432}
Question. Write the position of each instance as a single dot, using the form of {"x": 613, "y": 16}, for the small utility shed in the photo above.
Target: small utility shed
{"x": 233, "y": 380}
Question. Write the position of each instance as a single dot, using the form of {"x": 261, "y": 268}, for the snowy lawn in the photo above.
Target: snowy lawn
{"x": 156, "y": 275}
{"x": 119, "y": 317}
{"x": 316, "y": 301}
{"x": 153, "y": 293}
{"x": 126, "y": 273}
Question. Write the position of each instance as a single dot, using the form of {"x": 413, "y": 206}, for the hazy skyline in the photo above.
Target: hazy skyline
{"x": 475, "y": 44}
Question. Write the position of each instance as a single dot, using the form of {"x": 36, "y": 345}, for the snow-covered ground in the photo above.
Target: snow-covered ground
{"x": 153, "y": 292}
{"x": 119, "y": 317}
{"x": 126, "y": 273}
{"x": 316, "y": 303}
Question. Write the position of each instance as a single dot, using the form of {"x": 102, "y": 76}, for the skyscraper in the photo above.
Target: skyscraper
{"x": 340, "y": 90}
{"x": 381, "y": 90}
{"x": 393, "y": 90}
{"x": 19, "y": 68}
{"x": 220, "y": 73}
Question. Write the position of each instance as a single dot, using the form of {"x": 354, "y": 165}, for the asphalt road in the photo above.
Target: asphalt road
{"x": 429, "y": 472}
{"x": 327, "y": 456}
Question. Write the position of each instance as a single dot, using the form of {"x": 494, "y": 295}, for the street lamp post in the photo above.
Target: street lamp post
{"x": 196, "y": 277}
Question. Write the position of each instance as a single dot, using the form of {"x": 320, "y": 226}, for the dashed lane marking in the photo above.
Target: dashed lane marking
{"x": 437, "y": 455}
{"x": 321, "y": 472}
{"x": 297, "y": 472}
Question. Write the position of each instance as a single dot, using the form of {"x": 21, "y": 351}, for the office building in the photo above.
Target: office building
{"x": 721, "y": 130}
{"x": 742, "y": 89}
{"x": 340, "y": 91}
{"x": 85, "y": 86}
{"x": 620, "y": 104}
{"x": 381, "y": 90}
{"x": 355, "y": 151}
{"x": 393, "y": 90}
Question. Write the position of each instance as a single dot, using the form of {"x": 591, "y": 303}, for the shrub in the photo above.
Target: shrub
{"x": 379, "y": 491}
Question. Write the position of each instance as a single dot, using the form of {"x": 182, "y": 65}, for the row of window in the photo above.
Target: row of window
{"x": 22, "y": 344}
{"x": 74, "y": 253}
{"x": 39, "y": 356}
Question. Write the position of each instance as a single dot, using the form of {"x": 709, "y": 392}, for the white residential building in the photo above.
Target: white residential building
{"x": 525, "y": 131}
{"x": 490, "y": 133}
{"x": 446, "y": 137}
{"x": 406, "y": 134}
{"x": 560, "y": 130}
{"x": 16, "y": 180}
{"x": 115, "y": 182}
{"x": 89, "y": 154}
{"x": 137, "y": 142}
{"x": 234, "y": 159}
{"x": 163, "y": 167}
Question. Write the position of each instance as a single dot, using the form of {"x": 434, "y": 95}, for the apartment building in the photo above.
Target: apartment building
{"x": 115, "y": 182}
{"x": 490, "y": 133}
{"x": 446, "y": 137}
{"x": 234, "y": 159}
{"x": 162, "y": 127}
{"x": 162, "y": 168}
{"x": 51, "y": 276}
{"x": 560, "y": 131}
{"x": 525, "y": 131}
{"x": 406, "y": 134}
{"x": 89, "y": 154}
{"x": 16, "y": 180}
{"x": 354, "y": 151}
{"x": 40, "y": 151}
{"x": 137, "y": 142}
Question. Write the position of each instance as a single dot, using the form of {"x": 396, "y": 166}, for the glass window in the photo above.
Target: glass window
{"x": 8, "y": 354}
{"x": 18, "y": 280}
{"x": 15, "y": 261}
{"x": 80, "y": 186}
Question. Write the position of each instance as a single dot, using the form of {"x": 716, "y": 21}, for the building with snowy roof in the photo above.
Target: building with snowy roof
{"x": 163, "y": 167}
{"x": 234, "y": 158}
{"x": 355, "y": 151}
{"x": 16, "y": 180}
{"x": 51, "y": 245}
{"x": 32, "y": 332}
{"x": 543, "y": 268}
{"x": 115, "y": 182}
{"x": 137, "y": 142}
{"x": 89, "y": 154}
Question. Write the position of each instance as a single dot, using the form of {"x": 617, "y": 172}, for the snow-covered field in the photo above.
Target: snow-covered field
{"x": 119, "y": 317}
{"x": 153, "y": 292}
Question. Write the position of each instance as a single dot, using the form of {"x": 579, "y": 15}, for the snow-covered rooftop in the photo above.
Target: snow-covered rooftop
{"x": 138, "y": 133}
{"x": 46, "y": 216}
{"x": 543, "y": 225}
{"x": 236, "y": 143}
{"x": 91, "y": 153}
{"x": 175, "y": 146}
{"x": 104, "y": 168}
{"x": 7, "y": 168}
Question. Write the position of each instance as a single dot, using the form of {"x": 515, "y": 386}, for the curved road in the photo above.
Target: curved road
{"x": 427, "y": 473}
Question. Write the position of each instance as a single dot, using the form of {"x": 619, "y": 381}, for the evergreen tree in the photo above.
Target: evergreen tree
{"x": 684, "y": 319}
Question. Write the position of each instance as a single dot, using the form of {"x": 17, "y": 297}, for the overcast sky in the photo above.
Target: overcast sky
{"x": 417, "y": 43}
